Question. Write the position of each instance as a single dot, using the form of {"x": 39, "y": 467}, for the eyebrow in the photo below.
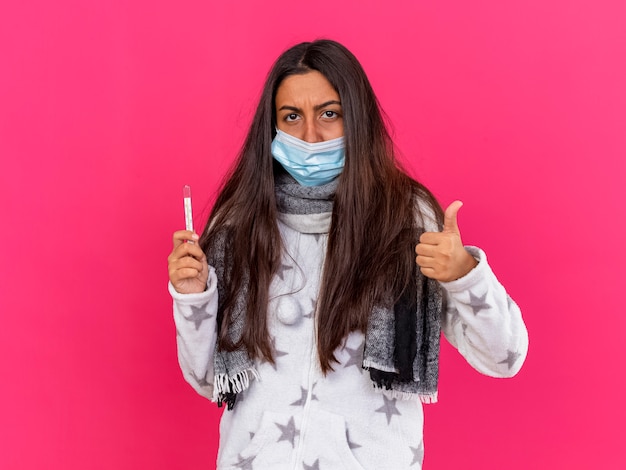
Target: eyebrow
{"x": 317, "y": 107}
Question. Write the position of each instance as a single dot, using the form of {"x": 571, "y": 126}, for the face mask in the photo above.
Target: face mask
{"x": 310, "y": 164}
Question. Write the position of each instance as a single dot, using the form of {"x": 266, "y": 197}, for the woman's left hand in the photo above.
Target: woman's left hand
{"x": 441, "y": 255}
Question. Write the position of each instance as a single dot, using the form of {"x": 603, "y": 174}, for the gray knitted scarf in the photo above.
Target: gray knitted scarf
{"x": 401, "y": 344}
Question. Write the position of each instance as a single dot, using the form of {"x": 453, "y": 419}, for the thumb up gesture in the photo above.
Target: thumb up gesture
{"x": 441, "y": 255}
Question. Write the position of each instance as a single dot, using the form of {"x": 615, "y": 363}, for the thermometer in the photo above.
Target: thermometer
{"x": 187, "y": 202}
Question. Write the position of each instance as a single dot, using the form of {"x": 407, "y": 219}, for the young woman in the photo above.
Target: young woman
{"x": 313, "y": 302}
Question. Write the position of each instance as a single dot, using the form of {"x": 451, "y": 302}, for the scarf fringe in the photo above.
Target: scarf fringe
{"x": 225, "y": 386}
{"x": 371, "y": 364}
{"x": 429, "y": 398}
{"x": 426, "y": 398}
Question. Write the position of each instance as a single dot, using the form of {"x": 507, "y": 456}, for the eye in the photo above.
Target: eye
{"x": 291, "y": 117}
{"x": 329, "y": 114}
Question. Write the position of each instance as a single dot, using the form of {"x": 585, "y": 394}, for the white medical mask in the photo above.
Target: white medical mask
{"x": 311, "y": 164}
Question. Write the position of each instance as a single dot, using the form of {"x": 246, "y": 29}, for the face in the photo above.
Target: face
{"x": 308, "y": 107}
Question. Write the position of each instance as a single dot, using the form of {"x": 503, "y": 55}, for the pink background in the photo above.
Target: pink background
{"x": 108, "y": 107}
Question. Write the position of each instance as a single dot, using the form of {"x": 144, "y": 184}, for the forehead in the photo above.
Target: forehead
{"x": 309, "y": 88}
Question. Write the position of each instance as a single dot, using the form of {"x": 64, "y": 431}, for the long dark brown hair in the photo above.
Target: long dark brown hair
{"x": 370, "y": 258}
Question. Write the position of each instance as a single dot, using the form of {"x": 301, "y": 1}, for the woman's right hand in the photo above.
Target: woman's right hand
{"x": 187, "y": 264}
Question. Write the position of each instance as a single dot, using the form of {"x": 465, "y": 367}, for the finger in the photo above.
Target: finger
{"x": 450, "y": 218}
{"x": 187, "y": 262}
{"x": 426, "y": 262}
{"x": 420, "y": 261}
{"x": 426, "y": 250}
{"x": 428, "y": 272}
{"x": 182, "y": 236}
{"x": 431, "y": 238}
{"x": 185, "y": 268}
{"x": 187, "y": 250}
{"x": 183, "y": 275}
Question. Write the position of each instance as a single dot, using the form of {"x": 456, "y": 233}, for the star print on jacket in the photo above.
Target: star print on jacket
{"x": 303, "y": 396}
{"x": 454, "y": 316}
{"x": 389, "y": 408}
{"x": 355, "y": 357}
{"x": 312, "y": 309}
{"x": 351, "y": 445}
{"x": 245, "y": 464}
{"x": 277, "y": 353}
{"x": 511, "y": 358}
{"x": 418, "y": 454}
{"x": 315, "y": 466}
{"x": 288, "y": 431}
{"x": 510, "y": 302}
{"x": 282, "y": 270}
{"x": 478, "y": 303}
{"x": 198, "y": 315}
{"x": 202, "y": 381}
